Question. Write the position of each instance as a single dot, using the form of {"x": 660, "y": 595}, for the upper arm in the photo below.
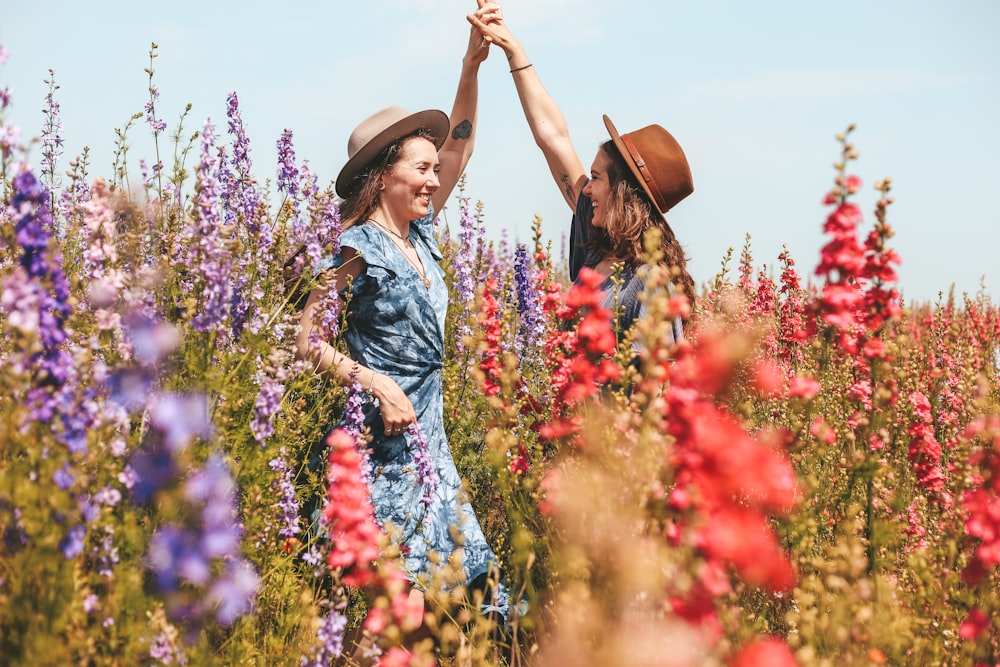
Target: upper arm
{"x": 337, "y": 279}
{"x": 453, "y": 163}
{"x": 564, "y": 164}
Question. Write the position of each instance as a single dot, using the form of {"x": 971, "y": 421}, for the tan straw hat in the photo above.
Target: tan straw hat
{"x": 381, "y": 129}
{"x": 657, "y": 161}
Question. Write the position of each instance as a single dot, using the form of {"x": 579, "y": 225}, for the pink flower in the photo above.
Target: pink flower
{"x": 770, "y": 652}
{"x": 973, "y": 625}
{"x": 802, "y": 386}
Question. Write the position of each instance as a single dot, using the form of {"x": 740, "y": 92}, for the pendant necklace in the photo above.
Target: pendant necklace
{"x": 406, "y": 244}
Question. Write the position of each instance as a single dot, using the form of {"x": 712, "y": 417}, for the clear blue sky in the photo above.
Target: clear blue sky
{"x": 754, "y": 91}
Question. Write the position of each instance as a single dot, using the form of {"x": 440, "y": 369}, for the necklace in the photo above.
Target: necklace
{"x": 407, "y": 245}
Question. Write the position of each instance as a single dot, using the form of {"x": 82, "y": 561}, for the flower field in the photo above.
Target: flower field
{"x": 811, "y": 477}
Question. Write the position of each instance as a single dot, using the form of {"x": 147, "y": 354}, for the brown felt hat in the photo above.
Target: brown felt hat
{"x": 381, "y": 129}
{"x": 657, "y": 161}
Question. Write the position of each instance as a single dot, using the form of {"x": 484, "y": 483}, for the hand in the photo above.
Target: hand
{"x": 397, "y": 410}
{"x": 488, "y": 20}
{"x": 479, "y": 45}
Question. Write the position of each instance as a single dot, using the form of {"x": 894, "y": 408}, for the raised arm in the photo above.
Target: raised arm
{"x": 457, "y": 148}
{"x": 548, "y": 126}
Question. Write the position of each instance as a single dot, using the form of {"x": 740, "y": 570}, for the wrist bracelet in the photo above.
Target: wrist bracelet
{"x": 518, "y": 69}
{"x": 371, "y": 382}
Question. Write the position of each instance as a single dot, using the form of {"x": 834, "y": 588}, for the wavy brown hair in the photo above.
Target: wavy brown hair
{"x": 630, "y": 215}
{"x": 366, "y": 187}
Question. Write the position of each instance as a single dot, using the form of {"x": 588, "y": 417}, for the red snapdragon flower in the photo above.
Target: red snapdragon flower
{"x": 348, "y": 514}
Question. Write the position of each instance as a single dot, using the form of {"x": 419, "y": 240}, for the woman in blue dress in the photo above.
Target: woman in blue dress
{"x": 401, "y": 168}
{"x": 635, "y": 178}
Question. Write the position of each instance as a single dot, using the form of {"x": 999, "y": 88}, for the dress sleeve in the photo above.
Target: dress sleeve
{"x": 370, "y": 244}
{"x": 580, "y": 232}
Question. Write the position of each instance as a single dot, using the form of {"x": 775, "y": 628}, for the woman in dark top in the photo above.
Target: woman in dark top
{"x": 635, "y": 178}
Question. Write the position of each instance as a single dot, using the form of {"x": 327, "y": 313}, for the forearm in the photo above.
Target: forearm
{"x": 464, "y": 112}
{"x": 546, "y": 121}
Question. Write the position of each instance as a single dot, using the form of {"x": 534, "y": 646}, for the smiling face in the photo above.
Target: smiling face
{"x": 408, "y": 186}
{"x": 599, "y": 188}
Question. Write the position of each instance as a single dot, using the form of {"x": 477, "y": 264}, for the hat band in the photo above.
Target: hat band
{"x": 646, "y": 176}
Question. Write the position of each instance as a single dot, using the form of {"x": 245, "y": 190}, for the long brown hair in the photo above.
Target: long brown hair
{"x": 367, "y": 185}
{"x": 630, "y": 215}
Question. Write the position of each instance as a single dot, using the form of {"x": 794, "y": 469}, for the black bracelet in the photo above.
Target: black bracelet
{"x": 518, "y": 69}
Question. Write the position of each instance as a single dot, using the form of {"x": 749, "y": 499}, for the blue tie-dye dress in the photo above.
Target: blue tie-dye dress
{"x": 395, "y": 325}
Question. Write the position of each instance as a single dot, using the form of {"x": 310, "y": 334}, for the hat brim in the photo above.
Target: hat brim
{"x": 432, "y": 119}
{"x": 623, "y": 150}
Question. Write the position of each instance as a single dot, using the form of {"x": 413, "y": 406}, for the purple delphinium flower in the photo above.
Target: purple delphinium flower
{"x": 232, "y": 595}
{"x": 330, "y": 641}
{"x": 427, "y": 476}
{"x": 180, "y": 418}
{"x": 288, "y": 172}
{"x": 33, "y": 225}
{"x": 322, "y": 234}
{"x": 213, "y": 487}
{"x": 465, "y": 281}
{"x": 531, "y": 332}
{"x": 268, "y": 402}
{"x": 54, "y": 395}
{"x": 288, "y": 184}
{"x": 326, "y": 318}
{"x": 72, "y": 544}
{"x": 165, "y": 650}
{"x": 52, "y": 144}
{"x": 156, "y": 125}
{"x": 148, "y": 339}
{"x": 173, "y": 553}
{"x": 106, "y": 553}
{"x": 183, "y": 558}
{"x": 288, "y": 502}
{"x": 209, "y": 259}
{"x": 354, "y": 422}
{"x": 63, "y": 477}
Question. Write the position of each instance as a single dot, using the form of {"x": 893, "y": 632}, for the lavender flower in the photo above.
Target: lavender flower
{"x": 180, "y": 418}
{"x": 330, "y": 642}
{"x": 210, "y": 260}
{"x": 354, "y": 423}
{"x": 288, "y": 173}
{"x": 267, "y": 404}
{"x": 173, "y": 551}
{"x": 327, "y": 318}
{"x": 212, "y": 486}
{"x": 288, "y": 502}
{"x": 53, "y": 395}
{"x": 322, "y": 235}
{"x": 106, "y": 553}
{"x": 234, "y": 592}
{"x": 72, "y": 544}
{"x": 63, "y": 477}
{"x": 52, "y": 142}
{"x": 165, "y": 649}
{"x": 465, "y": 283}
{"x": 182, "y": 557}
{"x": 532, "y": 318}
{"x": 155, "y": 124}
{"x": 427, "y": 476}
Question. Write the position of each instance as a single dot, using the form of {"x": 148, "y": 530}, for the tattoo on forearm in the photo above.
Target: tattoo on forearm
{"x": 570, "y": 196}
{"x": 463, "y": 130}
